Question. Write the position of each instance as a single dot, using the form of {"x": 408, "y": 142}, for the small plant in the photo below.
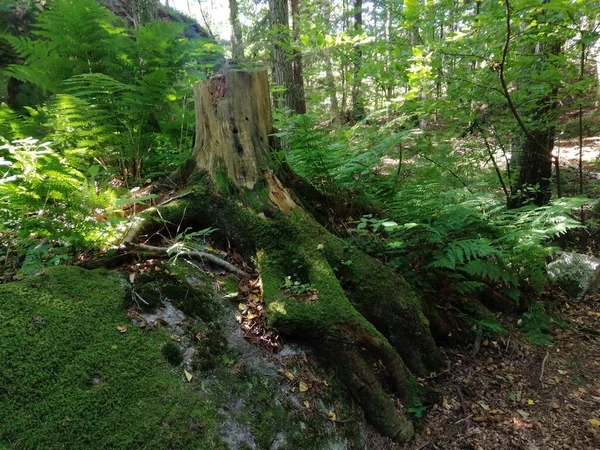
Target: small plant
{"x": 296, "y": 287}
{"x": 190, "y": 241}
{"x": 296, "y": 283}
{"x": 417, "y": 410}
{"x": 536, "y": 323}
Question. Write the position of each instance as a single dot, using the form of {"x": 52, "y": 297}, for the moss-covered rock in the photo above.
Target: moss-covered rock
{"x": 70, "y": 379}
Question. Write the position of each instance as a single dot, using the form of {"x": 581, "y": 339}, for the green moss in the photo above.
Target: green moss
{"x": 222, "y": 182}
{"x": 158, "y": 287}
{"x": 229, "y": 284}
{"x": 211, "y": 345}
{"x": 172, "y": 353}
{"x": 70, "y": 379}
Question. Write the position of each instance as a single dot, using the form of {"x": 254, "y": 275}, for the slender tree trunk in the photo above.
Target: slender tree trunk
{"x": 237, "y": 44}
{"x": 285, "y": 74}
{"x": 535, "y": 161}
{"x": 300, "y": 104}
{"x": 330, "y": 78}
{"x": 358, "y": 107}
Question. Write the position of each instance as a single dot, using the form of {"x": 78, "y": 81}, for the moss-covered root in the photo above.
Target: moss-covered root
{"x": 356, "y": 373}
{"x": 381, "y": 296}
{"x": 390, "y": 304}
{"x": 342, "y": 336}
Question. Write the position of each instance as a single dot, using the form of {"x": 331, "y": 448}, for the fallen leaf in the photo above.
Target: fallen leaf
{"x": 484, "y": 406}
{"x": 122, "y": 329}
{"x": 445, "y": 403}
{"x": 320, "y": 247}
{"x": 563, "y": 372}
{"x": 306, "y": 404}
{"x": 594, "y": 422}
{"x": 209, "y": 249}
{"x": 530, "y": 402}
{"x": 555, "y": 405}
{"x": 523, "y": 414}
{"x": 188, "y": 376}
{"x": 289, "y": 376}
{"x": 302, "y": 386}
{"x": 132, "y": 277}
{"x": 251, "y": 316}
{"x": 325, "y": 383}
{"x": 242, "y": 307}
{"x": 332, "y": 415}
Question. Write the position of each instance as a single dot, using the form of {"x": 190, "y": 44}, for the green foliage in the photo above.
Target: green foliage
{"x": 71, "y": 38}
{"x": 417, "y": 410}
{"x": 123, "y": 94}
{"x": 45, "y": 198}
{"x": 536, "y": 323}
{"x": 117, "y": 104}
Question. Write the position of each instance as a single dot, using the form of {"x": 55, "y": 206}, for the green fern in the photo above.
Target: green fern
{"x": 74, "y": 37}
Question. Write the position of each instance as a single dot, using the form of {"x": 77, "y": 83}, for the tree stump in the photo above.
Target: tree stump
{"x": 363, "y": 319}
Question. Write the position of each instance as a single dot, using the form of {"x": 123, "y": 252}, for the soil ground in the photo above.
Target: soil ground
{"x": 516, "y": 395}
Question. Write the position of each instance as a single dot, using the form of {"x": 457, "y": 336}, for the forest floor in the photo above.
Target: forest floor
{"x": 516, "y": 395}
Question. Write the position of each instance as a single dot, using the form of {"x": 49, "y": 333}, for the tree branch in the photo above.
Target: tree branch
{"x": 198, "y": 255}
{"x": 505, "y": 90}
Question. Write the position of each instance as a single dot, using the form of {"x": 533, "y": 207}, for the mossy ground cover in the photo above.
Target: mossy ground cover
{"x": 70, "y": 379}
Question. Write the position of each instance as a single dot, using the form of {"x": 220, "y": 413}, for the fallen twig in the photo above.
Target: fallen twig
{"x": 172, "y": 199}
{"x": 463, "y": 419}
{"x": 193, "y": 254}
{"x": 544, "y": 361}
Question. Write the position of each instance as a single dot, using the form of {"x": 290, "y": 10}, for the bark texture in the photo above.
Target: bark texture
{"x": 237, "y": 45}
{"x": 233, "y": 124}
{"x": 286, "y": 71}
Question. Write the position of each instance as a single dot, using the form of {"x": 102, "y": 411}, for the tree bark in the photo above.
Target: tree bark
{"x": 284, "y": 73}
{"x": 329, "y": 76}
{"x": 237, "y": 44}
{"x": 358, "y": 316}
{"x": 358, "y": 106}
{"x": 300, "y": 106}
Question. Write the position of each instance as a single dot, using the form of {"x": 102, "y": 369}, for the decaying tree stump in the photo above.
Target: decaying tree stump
{"x": 361, "y": 317}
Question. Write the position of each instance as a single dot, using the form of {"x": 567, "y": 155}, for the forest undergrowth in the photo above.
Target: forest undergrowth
{"x": 103, "y": 132}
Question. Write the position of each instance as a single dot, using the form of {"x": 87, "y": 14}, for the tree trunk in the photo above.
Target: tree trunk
{"x": 284, "y": 73}
{"x": 361, "y": 317}
{"x": 300, "y": 106}
{"x": 358, "y": 106}
{"x": 237, "y": 45}
{"x": 329, "y": 76}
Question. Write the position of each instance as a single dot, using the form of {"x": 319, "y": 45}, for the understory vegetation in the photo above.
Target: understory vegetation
{"x": 424, "y": 122}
